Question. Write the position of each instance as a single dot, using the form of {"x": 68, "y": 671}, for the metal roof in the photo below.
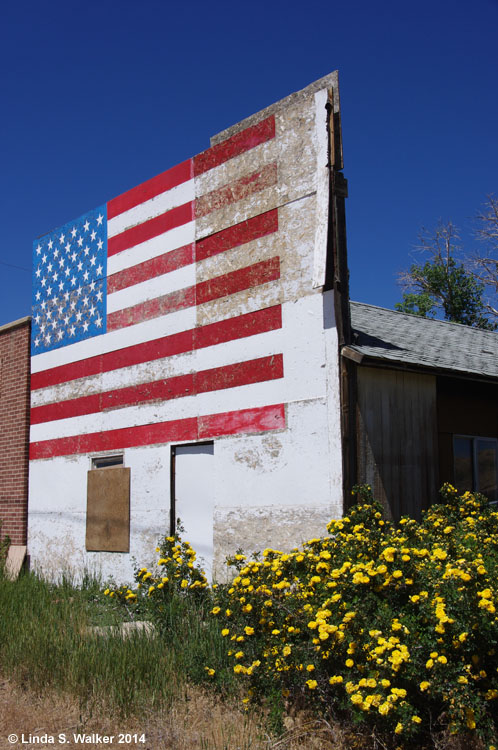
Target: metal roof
{"x": 410, "y": 340}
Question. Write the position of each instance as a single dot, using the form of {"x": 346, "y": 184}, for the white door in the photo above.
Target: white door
{"x": 194, "y": 498}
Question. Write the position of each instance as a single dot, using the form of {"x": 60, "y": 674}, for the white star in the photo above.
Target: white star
{"x": 38, "y": 272}
{"x": 56, "y": 253}
{"x": 49, "y": 314}
{"x": 38, "y": 295}
{"x": 44, "y": 258}
{"x": 92, "y": 311}
{"x": 72, "y": 331}
{"x": 48, "y": 338}
{"x": 86, "y": 275}
{"x": 62, "y": 238}
{"x": 92, "y": 285}
{"x": 61, "y": 310}
{"x": 73, "y": 257}
{"x": 43, "y": 282}
{"x": 50, "y": 244}
{"x": 79, "y": 290}
{"x": 54, "y": 325}
{"x": 61, "y": 262}
{"x": 59, "y": 335}
{"x": 73, "y": 304}
{"x": 68, "y": 247}
{"x": 93, "y": 235}
{"x": 86, "y": 226}
{"x": 37, "y": 341}
{"x": 99, "y": 219}
{"x": 99, "y": 295}
{"x": 66, "y": 319}
{"x": 85, "y": 301}
{"x": 80, "y": 266}
{"x": 38, "y": 249}
{"x": 42, "y": 327}
{"x": 100, "y": 244}
{"x": 43, "y": 304}
{"x": 67, "y": 271}
{"x": 86, "y": 249}
{"x": 98, "y": 322}
{"x": 61, "y": 286}
{"x": 80, "y": 241}
{"x": 73, "y": 232}
{"x": 49, "y": 267}
{"x": 73, "y": 281}
{"x": 85, "y": 326}
{"x": 79, "y": 315}
{"x": 55, "y": 276}
{"x": 49, "y": 291}
{"x": 92, "y": 260}
{"x": 99, "y": 270}
{"x": 66, "y": 296}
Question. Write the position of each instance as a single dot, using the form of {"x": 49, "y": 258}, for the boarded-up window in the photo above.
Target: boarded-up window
{"x": 108, "y": 510}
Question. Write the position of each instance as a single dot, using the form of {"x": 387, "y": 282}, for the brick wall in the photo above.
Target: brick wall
{"x": 14, "y": 429}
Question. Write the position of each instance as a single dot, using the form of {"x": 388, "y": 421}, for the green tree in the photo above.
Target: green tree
{"x": 444, "y": 283}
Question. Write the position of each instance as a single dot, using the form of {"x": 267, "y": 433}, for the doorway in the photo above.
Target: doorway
{"x": 192, "y": 498}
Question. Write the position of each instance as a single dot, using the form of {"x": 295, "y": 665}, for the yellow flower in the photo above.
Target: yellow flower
{"x": 399, "y": 728}
{"x": 349, "y": 663}
{"x": 184, "y": 584}
{"x": 209, "y": 671}
{"x": 225, "y": 632}
{"x": 311, "y": 684}
{"x": 416, "y": 719}
{"x": 286, "y": 650}
{"x": 424, "y": 685}
{"x": 310, "y": 667}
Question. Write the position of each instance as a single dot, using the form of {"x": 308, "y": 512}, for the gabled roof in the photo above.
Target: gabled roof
{"x": 405, "y": 339}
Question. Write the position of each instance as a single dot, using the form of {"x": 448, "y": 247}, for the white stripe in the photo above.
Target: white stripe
{"x": 155, "y": 287}
{"x": 176, "y": 196}
{"x": 163, "y": 243}
{"x": 219, "y": 355}
{"x": 138, "y": 334}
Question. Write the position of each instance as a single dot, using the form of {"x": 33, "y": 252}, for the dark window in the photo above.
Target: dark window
{"x": 476, "y": 462}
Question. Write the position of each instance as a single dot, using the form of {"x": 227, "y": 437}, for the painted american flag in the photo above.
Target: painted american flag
{"x": 125, "y": 324}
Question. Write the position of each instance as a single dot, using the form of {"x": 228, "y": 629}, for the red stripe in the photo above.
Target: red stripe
{"x": 236, "y": 190}
{"x": 149, "y": 269}
{"x": 149, "y": 189}
{"x": 237, "y": 281}
{"x": 246, "y": 420}
{"x": 229, "y": 423}
{"x": 152, "y": 308}
{"x": 151, "y": 228}
{"x": 237, "y": 144}
{"x": 190, "y": 384}
{"x": 236, "y": 235}
{"x": 241, "y": 326}
{"x": 205, "y": 291}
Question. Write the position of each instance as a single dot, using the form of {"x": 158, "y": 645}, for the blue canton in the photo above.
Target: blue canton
{"x": 69, "y": 283}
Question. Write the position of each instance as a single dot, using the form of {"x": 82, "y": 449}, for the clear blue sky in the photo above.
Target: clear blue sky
{"x": 99, "y": 96}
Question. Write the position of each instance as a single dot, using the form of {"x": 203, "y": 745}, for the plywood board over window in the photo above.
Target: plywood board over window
{"x": 108, "y": 510}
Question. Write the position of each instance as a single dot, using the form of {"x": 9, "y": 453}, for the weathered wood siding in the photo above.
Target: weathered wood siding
{"x": 397, "y": 438}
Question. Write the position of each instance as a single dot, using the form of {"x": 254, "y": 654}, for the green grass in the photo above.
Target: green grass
{"x": 46, "y": 641}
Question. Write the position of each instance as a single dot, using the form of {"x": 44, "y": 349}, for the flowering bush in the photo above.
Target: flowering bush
{"x": 396, "y": 626}
{"x": 392, "y": 626}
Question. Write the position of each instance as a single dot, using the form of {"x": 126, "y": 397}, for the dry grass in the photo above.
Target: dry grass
{"x": 196, "y": 721}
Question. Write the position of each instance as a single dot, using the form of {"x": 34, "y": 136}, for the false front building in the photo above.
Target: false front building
{"x": 185, "y": 353}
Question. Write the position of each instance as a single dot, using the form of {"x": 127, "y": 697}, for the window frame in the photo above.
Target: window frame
{"x": 475, "y": 463}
